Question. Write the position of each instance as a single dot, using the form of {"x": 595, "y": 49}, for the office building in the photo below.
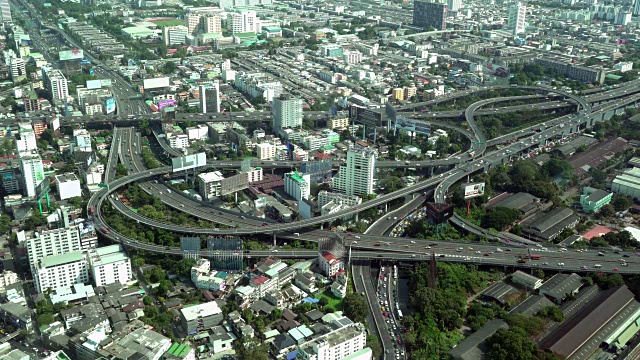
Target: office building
{"x": 109, "y": 264}
{"x": 210, "y": 98}
{"x": 244, "y": 21}
{"x": 5, "y": 11}
{"x": 636, "y": 7}
{"x": 27, "y": 141}
{"x": 174, "y": 35}
{"x": 287, "y": 112}
{"x": 517, "y": 13}
{"x": 52, "y": 242}
{"x": 68, "y": 186}
{"x": 193, "y": 23}
{"x": 56, "y": 83}
{"x": 454, "y": 5}
{"x": 592, "y": 200}
{"x": 356, "y": 177}
{"x": 297, "y": 185}
{"x": 197, "y": 318}
{"x": 587, "y": 74}
{"x": 82, "y": 140}
{"x": 179, "y": 141}
{"x": 211, "y": 24}
{"x": 60, "y": 271}
{"x": 210, "y": 184}
{"x": 17, "y": 68}
{"x": 427, "y": 14}
{"x": 345, "y": 342}
{"x": 32, "y": 173}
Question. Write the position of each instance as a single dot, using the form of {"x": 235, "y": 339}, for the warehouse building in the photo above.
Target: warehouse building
{"x": 560, "y": 286}
{"x": 525, "y": 202}
{"x": 474, "y": 346}
{"x": 546, "y": 226}
{"x": 627, "y": 183}
{"x": 583, "y": 333}
{"x": 526, "y": 280}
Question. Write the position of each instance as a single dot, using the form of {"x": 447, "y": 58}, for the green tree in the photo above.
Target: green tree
{"x": 355, "y": 308}
{"x": 621, "y": 202}
{"x": 607, "y": 211}
{"x": 500, "y": 217}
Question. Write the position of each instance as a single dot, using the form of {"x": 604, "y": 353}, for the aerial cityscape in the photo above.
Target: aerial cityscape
{"x": 320, "y": 180}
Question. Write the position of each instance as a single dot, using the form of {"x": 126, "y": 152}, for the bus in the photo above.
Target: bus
{"x": 92, "y": 210}
{"x": 535, "y": 257}
{"x": 399, "y": 314}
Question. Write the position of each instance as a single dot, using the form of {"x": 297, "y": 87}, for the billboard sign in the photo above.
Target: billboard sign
{"x": 110, "y": 105}
{"x": 76, "y": 54}
{"x": 155, "y": 83}
{"x": 105, "y": 82}
{"x": 189, "y": 162}
{"x": 472, "y": 190}
{"x": 414, "y": 126}
{"x": 94, "y": 84}
{"x": 164, "y": 103}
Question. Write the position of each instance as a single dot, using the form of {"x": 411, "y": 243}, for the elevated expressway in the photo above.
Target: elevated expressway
{"x": 412, "y": 252}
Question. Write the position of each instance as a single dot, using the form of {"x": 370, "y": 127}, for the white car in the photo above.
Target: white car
{"x": 561, "y": 264}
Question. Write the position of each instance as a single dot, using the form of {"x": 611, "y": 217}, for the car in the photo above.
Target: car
{"x": 264, "y": 224}
{"x": 357, "y": 237}
{"x": 583, "y": 268}
{"x": 296, "y": 234}
{"x": 377, "y": 244}
{"x": 616, "y": 269}
{"x": 413, "y": 242}
{"x": 625, "y": 255}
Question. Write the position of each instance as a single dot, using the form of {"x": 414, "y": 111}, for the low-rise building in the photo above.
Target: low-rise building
{"x": 61, "y": 270}
{"x": 592, "y": 200}
{"x": 546, "y": 226}
{"x": 329, "y": 263}
{"x": 17, "y": 315}
{"x": 179, "y": 351}
{"x": 529, "y": 281}
{"x": 68, "y": 186}
{"x": 338, "y": 344}
{"x": 197, "y": 318}
{"x": 560, "y": 286}
{"x": 204, "y": 278}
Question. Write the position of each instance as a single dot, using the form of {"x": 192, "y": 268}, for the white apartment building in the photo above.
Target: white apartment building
{"x": 60, "y": 271}
{"x": 287, "y": 112}
{"x": 109, "y": 264}
{"x": 265, "y": 151}
{"x": 92, "y": 109}
{"x": 5, "y": 11}
{"x": 52, "y": 242}
{"x": 174, "y": 35}
{"x": 56, "y": 83}
{"x": 211, "y": 24}
{"x": 210, "y": 184}
{"x": 82, "y": 140}
{"x": 27, "y": 141}
{"x": 18, "y": 69}
{"x": 352, "y": 57}
{"x": 205, "y": 278}
{"x": 193, "y": 23}
{"x": 329, "y": 263}
{"x": 254, "y": 174}
{"x": 356, "y": 177}
{"x": 7, "y": 277}
{"x": 338, "y": 344}
{"x": 297, "y": 185}
{"x": 68, "y": 186}
{"x": 516, "y": 20}
{"x": 325, "y": 197}
{"x": 243, "y": 21}
{"x": 179, "y": 141}
{"x": 198, "y": 132}
{"x": 32, "y": 173}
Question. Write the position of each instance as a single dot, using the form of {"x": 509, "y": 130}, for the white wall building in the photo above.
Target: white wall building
{"x": 56, "y": 83}
{"x": 329, "y": 263}
{"x": 32, "y": 173}
{"x": 179, "y": 141}
{"x": 243, "y": 21}
{"x": 211, "y": 24}
{"x": 517, "y": 14}
{"x": 109, "y": 264}
{"x": 52, "y": 242}
{"x": 210, "y": 184}
{"x": 204, "y": 278}
{"x": 60, "y": 271}
{"x": 7, "y": 277}
{"x": 287, "y": 112}
{"x": 199, "y": 132}
{"x": 174, "y": 35}
{"x": 297, "y": 185}
{"x": 27, "y": 141}
{"x": 265, "y": 151}
{"x": 356, "y": 177}
{"x": 338, "y": 344}
{"x": 68, "y": 186}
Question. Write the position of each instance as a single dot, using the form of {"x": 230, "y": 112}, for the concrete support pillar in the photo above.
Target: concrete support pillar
{"x": 274, "y": 239}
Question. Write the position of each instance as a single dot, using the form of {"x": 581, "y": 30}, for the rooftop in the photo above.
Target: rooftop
{"x": 63, "y": 178}
{"x": 57, "y": 260}
{"x": 471, "y": 348}
{"x": 200, "y": 311}
{"x": 560, "y": 285}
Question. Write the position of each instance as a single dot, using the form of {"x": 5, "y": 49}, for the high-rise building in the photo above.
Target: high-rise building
{"x": 517, "y": 13}
{"x": 61, "y": 271}
{"x": 174, "y": 35}
{"x": 109, "y": 264}
{"x": 356, "y": 177}
{"x": 5, "y": 11}
{"x": 297, "y": 185}
{"x": 211, "y": 24}
{"x": 27, "y": 141}
{"x": 430, "y": 13}
{"x": 636, "y": 8}
{"x": 243, "y": 21}
{"x": 193, "y": 23}
{"x": 18, "y": 69}
{"x": 52, "y": 242}
{"x": 210, "y": 98}
{"x": 454, "y": 5}
{"x": 287, "y": 112}
{"x": 32, "y": 173}
{"x": 56, "y": 83}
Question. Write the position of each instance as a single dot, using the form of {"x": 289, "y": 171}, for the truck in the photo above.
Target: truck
{"x": 104, "y": 230}
{"x": 522, "y": 260}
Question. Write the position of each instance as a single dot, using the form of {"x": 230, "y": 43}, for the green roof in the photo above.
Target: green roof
{"x": 272, "y": 29}
{"x": 614, "y": 77}
{"x": 211, "y": 36}
{"x": 179, "y": 350}
{"x": 222, "y": 274}
{"x": 246, "y": 35}
{"x": 329, "y": 147}
{"x": 138, "y": 30}
{"x": 297, "y": 177}
{"x": 62, "y": 259}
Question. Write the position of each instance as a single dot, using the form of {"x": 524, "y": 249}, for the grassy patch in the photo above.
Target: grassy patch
{"x": 333, "y": 302}
{"x": 173, "y": 22}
